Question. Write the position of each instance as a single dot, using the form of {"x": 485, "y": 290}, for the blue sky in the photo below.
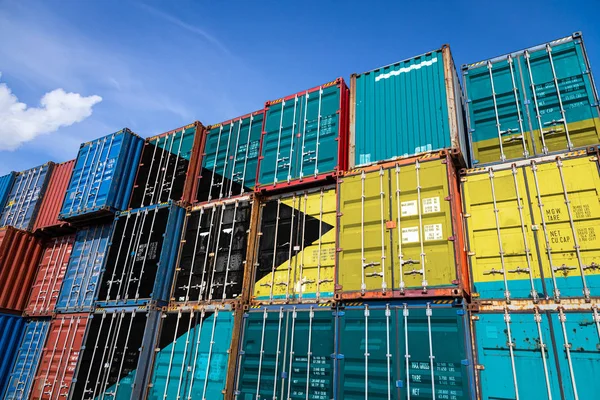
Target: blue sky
{"x": 157, "y": 65}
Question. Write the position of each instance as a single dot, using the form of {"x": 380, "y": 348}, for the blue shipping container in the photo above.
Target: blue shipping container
{"x": 103, "y": 176}
{"x": 141, "y": 256}
{"x": 25, "y": 197}
{"x": 80, "y": 283}
{"x": 27, "y": 360}
{"x": 6, "y": 183}
{"x": 11, "y": 333}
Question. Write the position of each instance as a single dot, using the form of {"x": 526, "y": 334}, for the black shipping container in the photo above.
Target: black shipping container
{"x": 213, "y": 254}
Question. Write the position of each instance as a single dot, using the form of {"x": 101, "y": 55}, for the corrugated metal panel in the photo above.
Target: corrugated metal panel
{"x": 115, "y": 359}
{"x": 404, "y": 351}
{"x": 103, "y": 176}
{"x": 26, "y": 196}
{"x": 230, "y": 158}
{"x": 168, "y": 167}
{"x": 47, "y": 219}
{"x": 6, "y": 183}
{"x": 141, "y": 256}
{"x": 296, "y": 252}
{"x": 20, "y": 253}
{"x": 49, "y": 276}
{"x": 59, "y": 357}
{"x": 537, "y": 354}
{"x": 406, "y": 108}
{"x": 305, "y": 137}
{"x": 192, "y": 355}
{"x": 80, "y": 282}
{"x": 401, "y": 232}
{"x": 214, "y": 249}
{"x": 287, "y": 352}
{"x": 11, "y": 334}
{"x": 28, "y": 356}
{"x": 532, "y": 102}
{"x": 533, "y": 228}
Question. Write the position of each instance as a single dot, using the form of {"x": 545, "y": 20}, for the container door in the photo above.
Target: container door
{"x": 515, "y": 356}
{"x": 365, "y": 260}
{"x": 369, "y": 359}
{"x": 21, "y": 206}
{"x": 577, "y": 336}
{"x": 503, "y": 258}
{"x": 565, "y": 196}
{"x": 192, "y": 355}
{"x": 242, "y": 174}
{"x": 564, "y": 106}
{"x": 319, "y": 132}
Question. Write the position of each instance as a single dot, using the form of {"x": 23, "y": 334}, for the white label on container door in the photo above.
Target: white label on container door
{"x": 408, "y": 208}
{"x": 431, "y": 205}
{"x": 433, "y": 232}
{"x": 410, "y": 235}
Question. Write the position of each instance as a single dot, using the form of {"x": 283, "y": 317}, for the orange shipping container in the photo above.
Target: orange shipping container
{"x": 49, "y": 276}
{"x": 20, "y": 252}
{"x": 47, "y": 219}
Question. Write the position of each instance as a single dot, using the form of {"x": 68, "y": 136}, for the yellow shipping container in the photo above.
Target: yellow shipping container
{"x": 533, "y": 228}
{"x": 295, "y": 261}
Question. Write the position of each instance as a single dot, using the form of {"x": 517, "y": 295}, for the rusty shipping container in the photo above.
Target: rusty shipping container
{"x": 215, "y": 245}
{"x": 49, "y": 276}
{"x": 533, "y": 228}
{"x": 59, "y": 357}
{"x": 401, "y": 232}
{"x": 20, "y": 252}
{"x": 168, "y": 167}
{"x": 47, "y": 218}
{"x": 295, "y": 258}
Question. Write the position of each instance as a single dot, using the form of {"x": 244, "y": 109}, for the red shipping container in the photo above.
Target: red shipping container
{"x": 47, "y": 218}
{"x": 49, "y": 276}
{"x": 20, "y": 253}
{"x": 59, "y": 357}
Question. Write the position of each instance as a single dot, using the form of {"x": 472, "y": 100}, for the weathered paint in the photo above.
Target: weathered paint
{"x": 539, "y": 353}
{"x": 6, "y": 183}
{"x": 545, "y": 214}
{"x": 168, "y": 167}
{"x": 49, "y": 276}
{"x": 11, "y": 333}
{"x": 80, "y": 283}
{"x": 192, "y": 355}
{"x": 47, "y": 219}
{"x": 400, "y": 230}
{"x": 25, "y": 197}
{"x": 115, "y": 359}
{"x": 103, "y": 176}
{"x": 404, "y": 351}
{"x": 20, "y": 253}
{"x": 305, "y": 137}
{"x": 230, "y": 158}
{"x": 406, "y": 108}
{"x": 214, "y": 248}
{"x": 141, "y": 256}
{"x": 532, "y": 102}
{"x": 295, "y": 260}
{"x": 20, "y": 380}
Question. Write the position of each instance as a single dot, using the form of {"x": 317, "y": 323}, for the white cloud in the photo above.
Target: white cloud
{"x": 20, "y": 123}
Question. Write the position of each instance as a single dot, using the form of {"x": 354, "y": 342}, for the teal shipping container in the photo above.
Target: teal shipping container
{"x": 26, "y": 363}
{"x": 537, "y": 352}
{"x": 396, "y": 350}
{"x": 193, "y": 354}
{"x": 531, "y": 102}
{"x": 11, "y": 335}
{"x": 230, "y": 158}
{"x": 304, "y": 138}
{"x": 406, "y": 108}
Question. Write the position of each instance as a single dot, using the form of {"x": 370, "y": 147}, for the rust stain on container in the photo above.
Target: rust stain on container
{"x": 20, "y": 252}
{"x": 59, "y": 357}
{"x": 49, "y": 277}
{"x": 47, "y": 219}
